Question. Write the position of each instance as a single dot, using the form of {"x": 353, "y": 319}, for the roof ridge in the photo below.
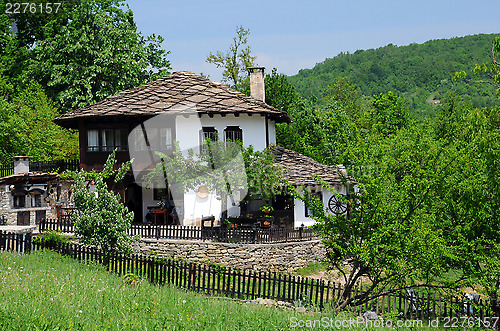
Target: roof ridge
{"x": 176, "y": 88}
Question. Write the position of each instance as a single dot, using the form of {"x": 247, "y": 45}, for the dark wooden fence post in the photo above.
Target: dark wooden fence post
{"x": 27, "y": 243}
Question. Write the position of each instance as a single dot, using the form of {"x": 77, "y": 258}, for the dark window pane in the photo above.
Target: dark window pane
{"x": 93, "y": 140}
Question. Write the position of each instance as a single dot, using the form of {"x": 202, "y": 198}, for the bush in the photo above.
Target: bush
{"x": 51, "y": 238}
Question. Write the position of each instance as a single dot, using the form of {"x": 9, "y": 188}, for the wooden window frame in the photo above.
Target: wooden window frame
{"x": 207, "y": 132}
{"x": 318, "y": 195}
{"x": 233, "y": 133}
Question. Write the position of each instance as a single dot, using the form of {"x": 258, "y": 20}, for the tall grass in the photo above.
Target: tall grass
{"x": 45, "y": 291}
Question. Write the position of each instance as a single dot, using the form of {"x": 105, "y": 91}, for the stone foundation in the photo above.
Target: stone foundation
{"x": 282, "y": 257}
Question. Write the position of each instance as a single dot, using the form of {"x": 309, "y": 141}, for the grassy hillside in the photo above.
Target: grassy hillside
{"x": 420, "y": 73}
{"x": 45, "y": 291}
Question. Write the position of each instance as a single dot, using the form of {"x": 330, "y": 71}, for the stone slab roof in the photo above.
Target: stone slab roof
{"x": 300, "y": 169}
{"x": 31, "y": 177}
{"x": 181, "y": 88}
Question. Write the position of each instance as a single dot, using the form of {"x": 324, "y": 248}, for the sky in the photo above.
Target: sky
{"x": 293, "y": 35}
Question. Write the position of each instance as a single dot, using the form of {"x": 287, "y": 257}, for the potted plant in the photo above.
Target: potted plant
{"x": 267, "y": 210}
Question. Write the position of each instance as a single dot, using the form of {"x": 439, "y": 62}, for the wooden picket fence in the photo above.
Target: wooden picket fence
{"x": 248, "y": 285}
{"x": 44, "y": 166}
{"x": 219, "y": 234}
{"x": 55, "y": 165}
{"x": 6, "y": 170}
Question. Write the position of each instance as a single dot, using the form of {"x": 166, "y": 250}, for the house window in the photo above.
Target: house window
{"x": 139, "y": 140}
{"x": 317, "y": 195}
{"x": 160, "y": 194}
{"x": 110, "y": 139}
{"x": 158, "y": 139}
{"x": 36, "y": 200}
{"x": 166, "y": 139}
{"x": 233, "y": 133}
{"x": 93, "y": 140}
{"x": 207, "y": 133}
{"x": 114, "y": 139}
{"x": 19, "y": 201}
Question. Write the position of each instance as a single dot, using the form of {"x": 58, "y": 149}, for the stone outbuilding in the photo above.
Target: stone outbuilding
{"x": 27, "y": 197}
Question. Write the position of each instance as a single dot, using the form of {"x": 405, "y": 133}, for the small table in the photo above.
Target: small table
{"x": 158, "y": 215}
{"x": 161, "y": 212}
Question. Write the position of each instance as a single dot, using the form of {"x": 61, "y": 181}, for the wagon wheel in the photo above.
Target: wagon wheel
{"x": 336, "y": 205}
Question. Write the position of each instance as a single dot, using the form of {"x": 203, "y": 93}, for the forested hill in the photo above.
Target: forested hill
{"x": 420, "y": 73}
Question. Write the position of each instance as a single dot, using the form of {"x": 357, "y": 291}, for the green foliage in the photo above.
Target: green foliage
{"x": 98, "y": 53}
{"x": 304, "y": 135}
{"x": 469, "y": 198}
{"x": 488, "y": 72}
{"x": 7, "y": 49}
{"x": 66, "y": 295}
{"x": 87, "y": 51}
{"x": 26, "y": 128}
{"x": 102, "y": 220}
{"x": 223, "y": 163}
{"x": 51, "y": 238}
{"x": 325, "y": 132}
{"x": 34, "y": 27}
{"x": 264, "y": 179}
{"x": 392, "y": 237}
{"x": 267, "y": 209}
{"x": 345, "y": 96}
{"x": 279, "y": 92}
{"x": 388, "y": 113}
{"x": 235, "y": 61}
{"x": 419, "y": 73}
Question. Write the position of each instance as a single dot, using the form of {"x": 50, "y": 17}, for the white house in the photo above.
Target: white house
{"x": 133, "y": 122}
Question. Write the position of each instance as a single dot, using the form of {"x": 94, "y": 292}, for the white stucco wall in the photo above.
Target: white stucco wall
{"x": 147, "y": 200}
{"x": 253, "y": 127}
{"x": 272, "y": 132}
{"x": 195, "y": 208}
{"x": 300, "y": 208}
{"x": 187, "y": 134}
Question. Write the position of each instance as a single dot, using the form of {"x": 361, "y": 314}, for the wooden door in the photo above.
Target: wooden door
{"x": 23, "y": 218}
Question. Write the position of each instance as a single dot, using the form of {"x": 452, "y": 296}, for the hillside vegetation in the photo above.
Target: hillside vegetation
{"x": 46, "y": 291}
{"x": 419, "y": 73}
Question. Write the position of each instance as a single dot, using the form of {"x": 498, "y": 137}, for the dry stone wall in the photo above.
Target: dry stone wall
{"x": 282, "y": 257}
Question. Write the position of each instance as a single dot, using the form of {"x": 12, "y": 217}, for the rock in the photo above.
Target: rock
{"x": 284, "y": 304}
{"x": 300, "y": 309}
{"x": 370, "y": 315}
{"x": 266, "y": 302}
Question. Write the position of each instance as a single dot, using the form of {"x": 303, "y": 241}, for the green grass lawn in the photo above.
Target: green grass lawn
{"x": 45, "y": 291}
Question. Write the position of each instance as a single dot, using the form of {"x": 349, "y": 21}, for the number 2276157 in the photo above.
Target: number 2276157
{"x": 32, "y": 8}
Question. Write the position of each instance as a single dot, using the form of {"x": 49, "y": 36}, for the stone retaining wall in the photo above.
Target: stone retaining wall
{"x": 283, "y": 257}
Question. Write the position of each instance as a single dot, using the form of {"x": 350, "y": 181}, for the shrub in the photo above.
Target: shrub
{"x": 51, "y": 238}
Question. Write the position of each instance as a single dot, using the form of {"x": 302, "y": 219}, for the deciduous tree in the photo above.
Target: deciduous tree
{"x": 26, "y": 128}
{"x": 102, "y": 220}
{"x": 234, "y": 61}
{"x": 391, "y": 239}
{"x": 98, "y": 53}
{"x": 488, "y": 73}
